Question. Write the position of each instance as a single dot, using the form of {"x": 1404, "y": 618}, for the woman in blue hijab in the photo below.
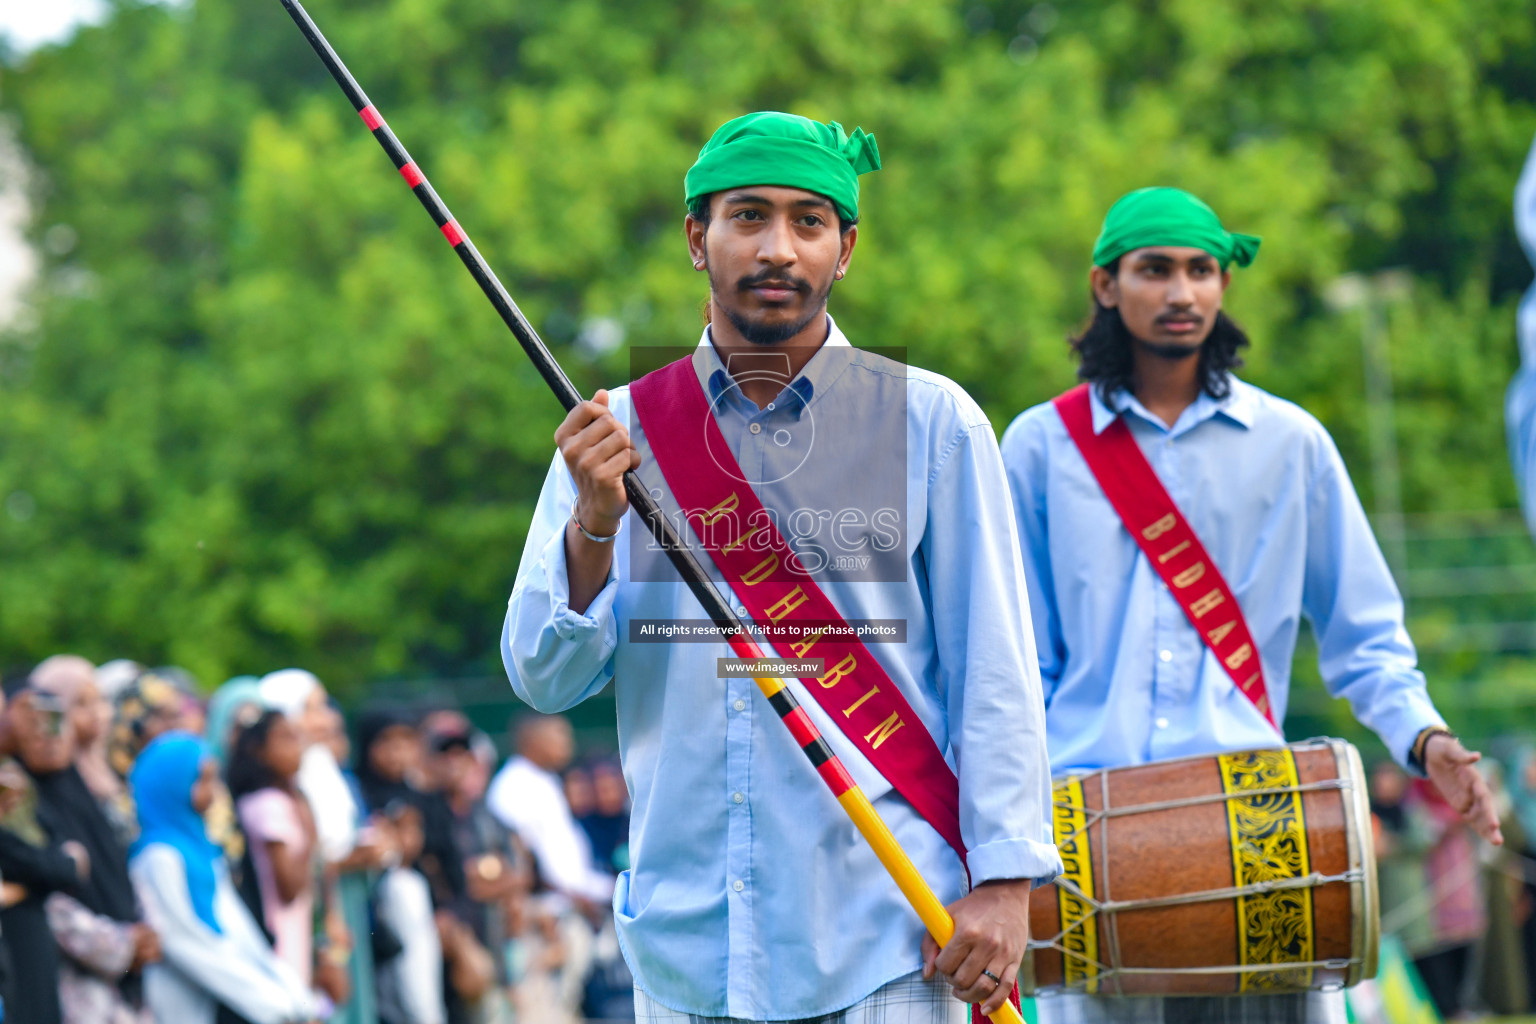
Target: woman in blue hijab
{"x": 214, "y": 952}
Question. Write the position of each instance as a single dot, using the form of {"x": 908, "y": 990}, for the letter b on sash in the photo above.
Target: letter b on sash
{"x": 838, "y": 671}
{"x": 1161, "y": 527}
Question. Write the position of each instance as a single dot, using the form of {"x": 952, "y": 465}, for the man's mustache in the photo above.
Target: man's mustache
{"x": 773, "y": 279}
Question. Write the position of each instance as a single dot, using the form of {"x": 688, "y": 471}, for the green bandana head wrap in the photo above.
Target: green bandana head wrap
{"x": 772, "y": 148}
{"x": 1169, "y": 216}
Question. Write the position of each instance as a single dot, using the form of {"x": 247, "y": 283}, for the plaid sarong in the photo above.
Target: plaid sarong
{"x": 907, "y": 1000}
{"x": 1300, "y": 1008}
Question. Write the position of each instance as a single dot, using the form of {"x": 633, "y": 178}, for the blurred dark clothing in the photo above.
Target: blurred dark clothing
{"x": 1443, "y": 974}
{"x": 478, "y": 834}
{"x": 1503, "y": 983}
{"x": 66, "y": 809}
{"x": 609, "y": 834}
{"x": 441, "y": 861}
{"x": 33, "y": 998}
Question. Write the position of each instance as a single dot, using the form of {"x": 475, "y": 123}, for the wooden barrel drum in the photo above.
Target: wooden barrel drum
{"x": 1248, "y": 872}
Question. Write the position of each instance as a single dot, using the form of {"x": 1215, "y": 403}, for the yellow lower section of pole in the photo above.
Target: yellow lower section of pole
{"x": 911, "y": 883}
{"x": 929, "y": 910}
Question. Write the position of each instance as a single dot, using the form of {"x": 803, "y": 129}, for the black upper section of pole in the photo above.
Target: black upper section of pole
{"x": 640, "y": 499}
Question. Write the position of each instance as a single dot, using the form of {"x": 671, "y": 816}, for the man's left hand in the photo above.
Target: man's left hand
{"x": 1452, "y": 768}
{"x": 991, "y": 932}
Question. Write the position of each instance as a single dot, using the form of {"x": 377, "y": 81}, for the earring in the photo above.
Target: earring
{"x": 838, "y": 276}
{"x": 698, "y": 264}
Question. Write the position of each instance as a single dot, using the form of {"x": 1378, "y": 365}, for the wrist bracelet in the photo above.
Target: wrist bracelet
{"x": 1418, "y": 757}
{"x": 589, "y": 534}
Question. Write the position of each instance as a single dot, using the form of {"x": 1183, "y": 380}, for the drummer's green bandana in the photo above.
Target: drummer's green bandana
{"x": 772, "y": 148}
{"x": 1169, "y": 216}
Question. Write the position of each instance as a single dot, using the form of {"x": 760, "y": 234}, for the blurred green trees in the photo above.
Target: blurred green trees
{"x": 261, "y": 416}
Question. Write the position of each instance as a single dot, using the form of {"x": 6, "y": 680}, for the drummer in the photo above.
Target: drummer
{"x": 1166, "y": 607}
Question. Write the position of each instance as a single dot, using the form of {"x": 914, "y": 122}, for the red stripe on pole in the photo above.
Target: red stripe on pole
{"x": 371, "y": 118}
{"x": 835, "y": 776}
{"x": 412, "y": 174}
{"x": 744, "y": 646}
{"x": 801, "y": 727}
{"x": 452, "y": 233}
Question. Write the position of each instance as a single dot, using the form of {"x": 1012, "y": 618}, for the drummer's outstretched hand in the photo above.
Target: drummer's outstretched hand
{"x": 991, "y": 931}
{"x": 1452, "y": 768}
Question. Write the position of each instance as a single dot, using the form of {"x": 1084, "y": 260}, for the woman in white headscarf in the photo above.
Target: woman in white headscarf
{"x": 349, "y": 853}
{"x": 301, "y": 697}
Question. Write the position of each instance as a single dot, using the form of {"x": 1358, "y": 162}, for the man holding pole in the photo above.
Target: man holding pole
{"x": 897, "y": 599}
{"x": 1176, "y": 523}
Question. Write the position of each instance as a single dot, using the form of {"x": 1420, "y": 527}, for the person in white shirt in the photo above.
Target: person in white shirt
{"x": 528, "y": 797}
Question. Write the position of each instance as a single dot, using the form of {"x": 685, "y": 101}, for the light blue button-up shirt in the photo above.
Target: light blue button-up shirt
{"x": 750, "y": 894}
{"x": 1127, "y": 678}
{"x": 1520, "y": 404}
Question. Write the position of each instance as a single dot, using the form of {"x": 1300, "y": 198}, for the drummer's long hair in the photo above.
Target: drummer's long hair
{"x": 1104, "y": 352}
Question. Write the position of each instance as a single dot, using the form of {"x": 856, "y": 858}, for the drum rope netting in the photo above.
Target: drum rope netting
{"x": 1107, "y": 906}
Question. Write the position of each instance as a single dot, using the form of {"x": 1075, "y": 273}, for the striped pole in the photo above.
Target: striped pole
{"x": 853, "y": 800}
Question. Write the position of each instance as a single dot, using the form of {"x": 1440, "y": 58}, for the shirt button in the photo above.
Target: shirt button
{"x": 738, "y": 885}
{"x": 756, "y": 428}
{"x": 740, "y": 705}
{"x": 737, "y": 798}
{"x": 740, "y": 610}
{"x": 1162, "y": 723}
{"x": 1165, "y": 655}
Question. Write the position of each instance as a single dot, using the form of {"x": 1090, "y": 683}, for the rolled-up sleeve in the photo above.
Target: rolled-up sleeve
{"x": 1364, "y": 652}
{"x": 555, "y": 657}
{"x": 988, "y": 671}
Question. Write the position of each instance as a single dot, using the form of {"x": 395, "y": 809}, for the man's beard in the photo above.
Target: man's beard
{"x": 772, "y": 333}
{"x": 1169, "y": 350}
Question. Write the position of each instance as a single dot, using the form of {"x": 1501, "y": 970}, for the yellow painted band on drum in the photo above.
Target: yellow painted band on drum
{"x": 929, "y": 910}
{"x": 1079, "y": 923}
{"x": 1269, "y": 843}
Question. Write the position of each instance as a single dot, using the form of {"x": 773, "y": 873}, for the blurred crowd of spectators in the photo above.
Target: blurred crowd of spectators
{"x": 250, "y": 858}
{"x": 1464, "y": 910}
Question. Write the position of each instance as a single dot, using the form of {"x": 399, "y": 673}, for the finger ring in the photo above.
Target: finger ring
{"x": 993, "y": 977}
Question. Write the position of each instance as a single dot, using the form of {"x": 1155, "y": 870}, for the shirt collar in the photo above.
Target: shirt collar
{"x": 1238, "y": 407}
{"x": 814, "y": 378}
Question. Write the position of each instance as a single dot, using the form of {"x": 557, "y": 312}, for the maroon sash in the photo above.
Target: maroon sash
{"x": 741, "y": 537}
{"x": 1166, "y": 538}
